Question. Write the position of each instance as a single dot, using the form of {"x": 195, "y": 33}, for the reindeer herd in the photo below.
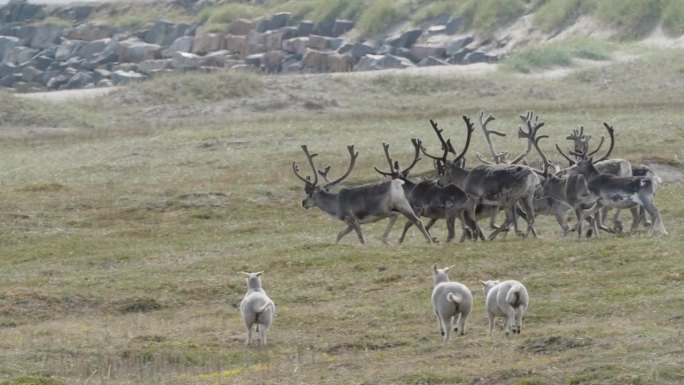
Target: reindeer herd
{"x": 587, "y": 188}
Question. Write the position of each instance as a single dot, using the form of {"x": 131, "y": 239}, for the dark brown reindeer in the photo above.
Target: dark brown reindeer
{"x": 619, "y": 192}
{"x": 501, "y": 185}
{"x": 428, "y": 199}
{"x": 356, "y": 205}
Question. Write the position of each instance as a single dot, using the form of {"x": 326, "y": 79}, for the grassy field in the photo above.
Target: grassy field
{"x": 125, "y": 219}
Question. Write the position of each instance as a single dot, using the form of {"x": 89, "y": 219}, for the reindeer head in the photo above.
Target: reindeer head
{"x": 585, "y": 165}
{"x": 581, "y": 145}
{"x": 311, "y": 188}
{"x": 449, "y": 169}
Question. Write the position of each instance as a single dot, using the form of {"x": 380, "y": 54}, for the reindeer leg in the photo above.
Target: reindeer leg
{"x": 465, "y": 231}
{"x": 493, "y": 211}
{"x": 354, "y": 223}
{"x": 429, "y": 225}
{"x": 529, "y": 211}
{"x": 559, "y": 214}
{"x": 385, "y": 235}
{"x": 514, "y": 216}
{"x": 403, "y": 233}
{"x": 642, "y": 217}
{"x": 407, "y": 211}
{"x": 655, "y": 216}
{"x": 636, "y": 217}
{"x": 344, "y": 232}
{"x": 505, "y": 225}
{"x": 617, "y": 223}
{"x": 450, "y": 220}
{"x": 585, "y": 213}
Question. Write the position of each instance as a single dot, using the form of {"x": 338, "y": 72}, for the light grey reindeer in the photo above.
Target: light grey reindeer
{"x": 618, "y": 167}
{"x": 451, "y": 301}
{"x": 620, "y": 192}
{"x": 360, "y": 204}
{"x": 605, "y": 165}
{"x": 256, "y": 308}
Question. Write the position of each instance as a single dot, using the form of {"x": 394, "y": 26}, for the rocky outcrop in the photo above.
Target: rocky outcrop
{"x": 93, "y": 53}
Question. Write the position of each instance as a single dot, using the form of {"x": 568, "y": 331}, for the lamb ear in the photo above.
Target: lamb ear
{"x": 258, "y": 274}
{"x": 448, "y": 268}
{"x": 242, "y": 272}
{"x": 483, "y": 282}
{"x": 434, "y": 268}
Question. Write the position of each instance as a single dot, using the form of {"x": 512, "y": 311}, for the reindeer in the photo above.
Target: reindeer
{"x": 618, "y": 167}
{"x": 502, "y": 185}
{"x": 619, "y": 192}
{"x": 565, "y": 191}
{"x": 356, "y": 205}
{"x": 428, "y": 199}
{"x": 542, "y": 204}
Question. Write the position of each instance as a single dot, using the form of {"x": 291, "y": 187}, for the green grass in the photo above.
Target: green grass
{"x": 558, "y": 54}
{"x": 55, "y": 21}
{"x": 379, "y": 16}
{"x": 227, "y": 12}
{"x": 196, "y": 88}
{"x": 29, "y": 113}
{"x": 434, "y": 9}
{"x": 634, "y": 18}
{"x": 673, "y": 17}
{"x": 122, "y": 239}
{"x": 486, "y": 16}
{"x": 554, "y": 15}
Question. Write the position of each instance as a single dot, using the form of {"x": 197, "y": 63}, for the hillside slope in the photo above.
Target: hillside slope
{"x": 86, "y": 45}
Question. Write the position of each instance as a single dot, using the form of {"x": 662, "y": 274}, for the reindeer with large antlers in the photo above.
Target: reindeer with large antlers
{"x": 428, "y": 199}
{"x": 356, "y": 205}
{"x": 503, "y": 185}
{"x": 542, "y": 204}
{"x": 619, "y": 192}
{"x": 617, "y": 167}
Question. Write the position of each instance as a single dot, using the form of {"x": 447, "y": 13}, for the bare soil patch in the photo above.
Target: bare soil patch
{"x": 553, "y": 344}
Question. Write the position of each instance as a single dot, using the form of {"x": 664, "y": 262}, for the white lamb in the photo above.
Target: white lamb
{"x": 256, "y": 308}
{"x": 507, "y": 299}
{"x": 450, "y": 300}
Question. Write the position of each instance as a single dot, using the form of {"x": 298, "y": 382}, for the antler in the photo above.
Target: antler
{"x": 528, "y": 118}
{"x": 497, "y": 157}
{"x": 385, "y": 147}
{"x": 309, "y": 157}
{"x": 533, "y": 126}
{"x": 578, "y": 136}
{"x": 582, "y": 152}
{"x": 611, "y": 133}
{"x": 446, "y": 145}
{"x": 470, "y": 128}
{"x": 572, "y": 162}
{"x": 349, "y": 170}
{"x": 396, "y": 172}
{"x": 324, "y": 173}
